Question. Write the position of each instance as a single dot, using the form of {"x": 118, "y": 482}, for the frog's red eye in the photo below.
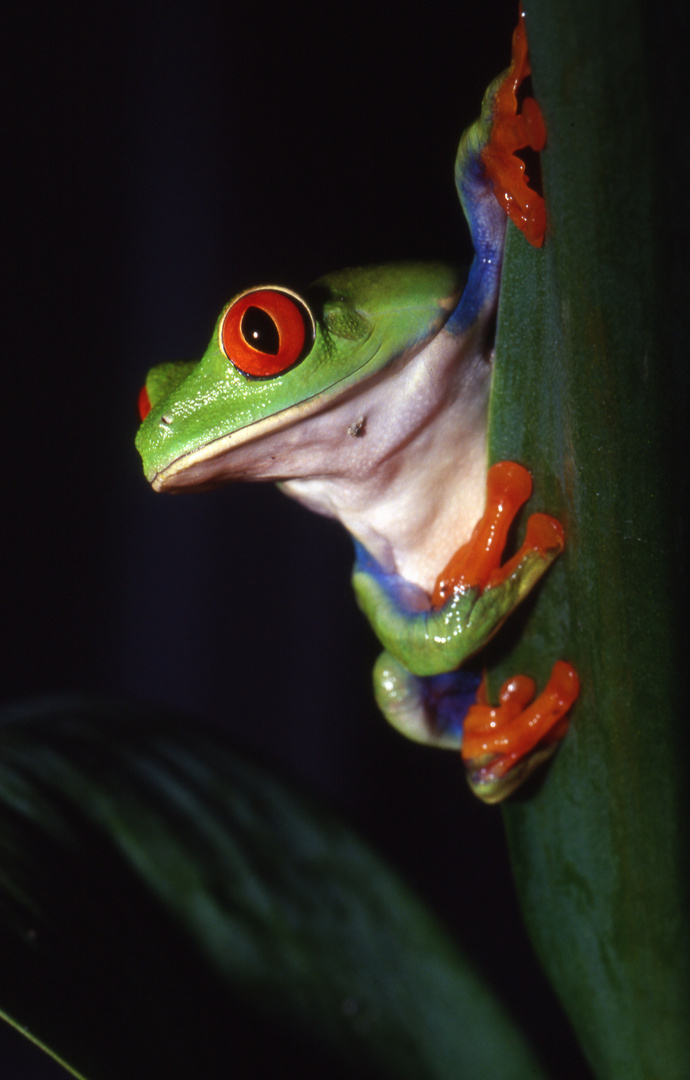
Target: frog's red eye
{"x": 265, "y": 332}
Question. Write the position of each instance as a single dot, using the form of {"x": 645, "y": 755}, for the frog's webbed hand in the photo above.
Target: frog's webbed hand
{"x": 473, "y": 595}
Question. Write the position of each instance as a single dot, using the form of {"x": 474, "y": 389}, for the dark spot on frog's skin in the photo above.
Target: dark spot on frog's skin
{"x": 358, "y": 429}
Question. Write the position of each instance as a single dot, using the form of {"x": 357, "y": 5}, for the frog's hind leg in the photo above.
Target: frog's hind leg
{"x": 503, "y": 744}
{"x": 428, "y": 709}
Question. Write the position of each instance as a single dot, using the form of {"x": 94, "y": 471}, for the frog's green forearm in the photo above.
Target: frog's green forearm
{"x": 435, "y": 641}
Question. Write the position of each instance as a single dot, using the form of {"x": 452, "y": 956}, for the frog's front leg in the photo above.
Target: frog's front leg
{"x": 492, "y": 183}
{"x": 474, "y": 594}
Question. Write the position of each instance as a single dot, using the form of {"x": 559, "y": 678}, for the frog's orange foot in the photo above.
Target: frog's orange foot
{"x": 503, "y": 744}
{"x": 515, "y": 130}
{"x": 544, "y": 538}
{"x": 477, "y": 564}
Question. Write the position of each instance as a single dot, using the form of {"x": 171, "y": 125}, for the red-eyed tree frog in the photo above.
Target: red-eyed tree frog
{"x": 365, "y": 397}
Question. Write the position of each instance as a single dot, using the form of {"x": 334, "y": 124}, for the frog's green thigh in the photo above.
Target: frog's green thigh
{"x": 404, "y": 701}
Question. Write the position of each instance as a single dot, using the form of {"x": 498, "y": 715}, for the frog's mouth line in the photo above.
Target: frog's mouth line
{"x": 194, "y": 467}
{"x": 199, "y": 468}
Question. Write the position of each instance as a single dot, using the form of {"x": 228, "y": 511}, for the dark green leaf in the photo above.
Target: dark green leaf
{"x": 169, "y": 909}
{"x": 591, "y": 394}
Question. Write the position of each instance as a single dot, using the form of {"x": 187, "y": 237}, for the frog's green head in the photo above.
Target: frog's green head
{"x": 276, "y": 357}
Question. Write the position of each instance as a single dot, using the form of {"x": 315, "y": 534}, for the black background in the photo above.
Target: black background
{"x": 161, "y": 158}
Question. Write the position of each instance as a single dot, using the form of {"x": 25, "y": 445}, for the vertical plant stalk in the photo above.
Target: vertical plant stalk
{"x": 591, "y": 394}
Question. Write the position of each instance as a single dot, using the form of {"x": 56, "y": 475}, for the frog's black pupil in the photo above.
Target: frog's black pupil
{"x": 260, "y": 331}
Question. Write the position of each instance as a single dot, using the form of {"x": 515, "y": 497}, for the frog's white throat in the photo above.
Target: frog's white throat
{"x": 404, "y": 463}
